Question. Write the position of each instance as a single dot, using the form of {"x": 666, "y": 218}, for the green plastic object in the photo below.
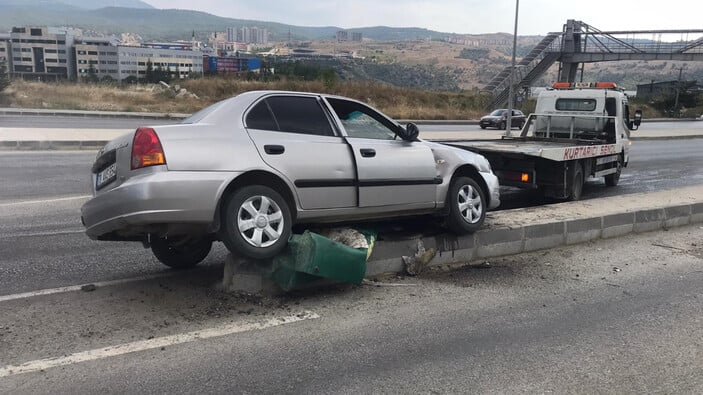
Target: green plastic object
{"x": 311, "y": 258}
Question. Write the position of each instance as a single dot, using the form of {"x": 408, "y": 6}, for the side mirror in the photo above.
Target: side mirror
{"x": 409, "y": 133}
{"x": 638, "y": 117}
{"x": 635, "y": 123}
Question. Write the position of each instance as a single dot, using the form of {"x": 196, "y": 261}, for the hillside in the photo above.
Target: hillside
{"x": 84, "y": 4}
{"x": 158, "y": 24}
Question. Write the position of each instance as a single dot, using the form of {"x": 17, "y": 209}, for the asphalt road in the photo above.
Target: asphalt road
{"x": 68, "y": 122}
{"x": 615, "y": 316}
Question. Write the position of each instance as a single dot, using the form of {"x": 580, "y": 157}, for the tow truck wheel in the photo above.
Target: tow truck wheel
{"x": 467, "y": 206}
{"x": 612, "y": 180}
{"x": 576, "y": 182}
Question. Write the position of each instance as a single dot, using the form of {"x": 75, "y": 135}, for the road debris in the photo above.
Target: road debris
{"x": 89, "y": 288}
{"x": 416, "y": 264}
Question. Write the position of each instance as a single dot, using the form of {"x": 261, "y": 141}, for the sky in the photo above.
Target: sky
{"x": 536, "y": 17}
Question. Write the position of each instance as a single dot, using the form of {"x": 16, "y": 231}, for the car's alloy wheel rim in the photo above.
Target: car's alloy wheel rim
{"x": 260, "y": 221}
{"x": 470, "y": 205}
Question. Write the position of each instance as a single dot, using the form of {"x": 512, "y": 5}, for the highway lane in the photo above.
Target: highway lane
{"x": 67, "y": 122}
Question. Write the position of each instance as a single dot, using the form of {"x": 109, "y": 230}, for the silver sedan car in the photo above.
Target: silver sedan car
{"x": 248, "y": 168}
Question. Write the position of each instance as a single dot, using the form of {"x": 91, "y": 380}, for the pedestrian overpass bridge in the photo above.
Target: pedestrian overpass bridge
{"x": 580, "y": 43}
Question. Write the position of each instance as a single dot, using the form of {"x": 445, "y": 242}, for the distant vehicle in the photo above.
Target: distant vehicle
{"x": 246, "y": 169}
{"x": 498, "y": 118}
{"x": 578, "y": 130}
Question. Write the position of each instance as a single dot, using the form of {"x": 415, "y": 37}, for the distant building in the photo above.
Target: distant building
{"x": 342, "y": 35}
{"x": 231, "y": 34}
{"x": 182, "y": 63}
{"x": 250, "y": 35}
{"x": 105, "y": 57}
{"x": 50, "y": 54}
{"x": 225, "y": 65}
{"x": 5, "y": 50}
{"x": 42, "y": 52}
{"x": 356, "y": 36}
{"x": 98, "y": 57}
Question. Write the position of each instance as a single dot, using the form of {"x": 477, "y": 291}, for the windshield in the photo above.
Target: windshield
{"x": 498, "y": 113}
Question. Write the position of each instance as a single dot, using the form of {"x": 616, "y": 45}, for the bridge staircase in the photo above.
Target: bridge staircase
{"x": 529, "y": 69}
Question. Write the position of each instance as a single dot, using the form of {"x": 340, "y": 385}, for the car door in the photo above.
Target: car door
{"x": 390, "y": 171}
{"x": 295, "y": 136}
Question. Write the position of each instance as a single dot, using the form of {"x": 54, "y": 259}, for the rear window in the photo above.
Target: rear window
{"x": 576, "y": 104}
{"x": 260, "y": 117}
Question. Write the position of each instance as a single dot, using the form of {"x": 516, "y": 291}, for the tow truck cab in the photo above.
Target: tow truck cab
{"x": 585, "y": 111}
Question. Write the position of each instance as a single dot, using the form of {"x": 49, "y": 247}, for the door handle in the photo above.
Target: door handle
{"x": 368, "y": 152}
{"x": 274, "y": 149}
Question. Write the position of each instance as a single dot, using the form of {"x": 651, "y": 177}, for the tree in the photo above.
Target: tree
{"x": 149, "y": 76}
{"x": 4, "y": 77}
{"x": 92, "y": 75}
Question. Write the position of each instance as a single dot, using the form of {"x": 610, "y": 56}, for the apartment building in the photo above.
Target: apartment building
{"x": 107, "y": 59}
{"x": 182, "y": 63}
{"x": 97, "y": 58}
{"x": 5, "y": 56}
{"x": 42, "y": 53}
{"x": 48, "y": 53}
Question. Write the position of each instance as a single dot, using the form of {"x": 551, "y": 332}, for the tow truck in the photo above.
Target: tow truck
{"x": 578, "y": 130}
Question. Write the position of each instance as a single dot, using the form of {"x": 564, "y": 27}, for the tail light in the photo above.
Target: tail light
{"x": 146, "y": 149}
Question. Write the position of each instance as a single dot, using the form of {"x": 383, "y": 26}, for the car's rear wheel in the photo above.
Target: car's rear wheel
{"x": 482, "y": 126}
{"x": 467, "y": 206}
{"x": 256, "y": 222}
{"x": 181, "y": 252}
{"x": 501, "y": 126}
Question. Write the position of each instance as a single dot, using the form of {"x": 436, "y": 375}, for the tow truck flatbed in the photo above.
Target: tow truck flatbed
{"x": 576, "y": 132}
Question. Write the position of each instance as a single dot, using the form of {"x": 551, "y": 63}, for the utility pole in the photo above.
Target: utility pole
{"x": 678, "y": 89}
{"x": 511, "y": 92}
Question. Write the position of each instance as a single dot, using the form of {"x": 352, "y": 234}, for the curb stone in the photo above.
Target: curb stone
{"x": 502, "y": 241}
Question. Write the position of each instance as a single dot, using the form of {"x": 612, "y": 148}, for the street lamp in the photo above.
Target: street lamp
{"x": 511, "y": 93}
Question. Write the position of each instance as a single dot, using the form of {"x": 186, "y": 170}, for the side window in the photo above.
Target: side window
{"x": 362, "y": 122}
{"x": 260, "y": 117}
{"x": 295, "y": 114}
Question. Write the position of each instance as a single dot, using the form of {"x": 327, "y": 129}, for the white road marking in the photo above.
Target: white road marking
{"x": 73, "y": 288}
{"x": 38, "y": 234}
{"x": 45, "y": 201}
{"x": 142, "y": 345}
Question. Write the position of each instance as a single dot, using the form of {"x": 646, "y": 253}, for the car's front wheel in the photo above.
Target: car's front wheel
{"x": 181, "y": 252}
{"x": 467, "y": 206}
{"x": 256, "y": 222}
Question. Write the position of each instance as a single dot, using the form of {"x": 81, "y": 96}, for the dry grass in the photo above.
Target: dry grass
{"x": 397, "y": 102}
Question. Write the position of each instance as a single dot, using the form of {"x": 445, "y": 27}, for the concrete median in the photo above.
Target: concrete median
{"x": 516, "y": 231}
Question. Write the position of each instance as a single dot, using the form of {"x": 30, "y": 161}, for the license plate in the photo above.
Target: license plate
{"x": 106, "y": 176}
